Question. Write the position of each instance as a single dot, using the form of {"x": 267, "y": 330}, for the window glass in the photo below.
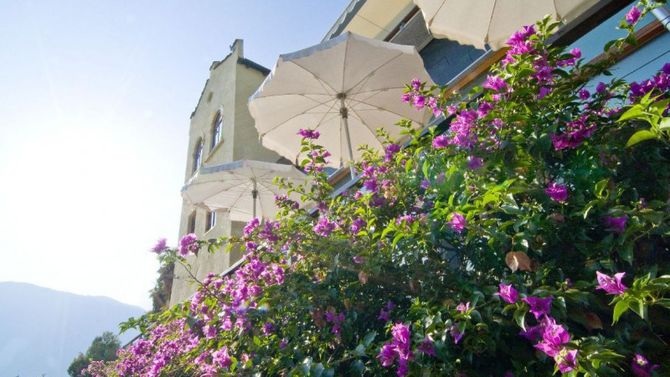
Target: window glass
{"x": 191, "y": 223}
{"x": 197, "y": 156}
{"x": 216, "y": 129}
{"x": 211, "y": 220}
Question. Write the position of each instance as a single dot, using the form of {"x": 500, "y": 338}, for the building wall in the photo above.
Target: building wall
{"x": 230, "y": 84}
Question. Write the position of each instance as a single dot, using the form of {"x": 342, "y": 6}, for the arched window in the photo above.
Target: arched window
{"x": 217, "y": 127}
{"x": 191, "y": 223}
{"x": 211, "y": 220}
{"x": 197, "y": 156}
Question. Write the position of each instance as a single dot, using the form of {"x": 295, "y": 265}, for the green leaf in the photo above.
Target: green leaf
{"x": 640, "y": 136}
{"x": 369, "y": 338}
{"x": 619, "y": 309}
{"x": 317, "y": 370}
{"x": 520, "y": 317}
{"x": 358, "y": 368}
{"x": 640, "y": 308}
{"x": 664, "y": 124}
{"x": 664, "y": 302}
{"x": 634, "y": 112}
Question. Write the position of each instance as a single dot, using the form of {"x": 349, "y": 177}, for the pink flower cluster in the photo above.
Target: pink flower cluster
{"x": 148, "y": 357}
{"x": 188, "y": 245}
{"x": 611, "y": 285}
{"x": 557, "y": 192}
{"x": 335, "y": 319}
{"x": 659, "y": 84}
{"x": 548, "y": 336}
{"x": 399, "y": 348}
{"x": 419, "y": 100}
{"x": 574, "y": 134}
{"x": 458, "y": 222}
{"x": 309, "y": 134}
{"x": 324, "y": 227}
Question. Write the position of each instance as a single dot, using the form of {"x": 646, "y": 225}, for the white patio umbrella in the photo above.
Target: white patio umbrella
{"x": 243, "y": 187}
{"x": 492, "y": 22}
{"x": 345, "y": 88}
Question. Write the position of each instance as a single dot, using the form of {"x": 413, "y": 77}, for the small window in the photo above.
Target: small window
{"x": 191, "y": 223}
{"x": 216, "y": 129}
{"x": 197, "y": 156}
{"x": 211, "y": 220}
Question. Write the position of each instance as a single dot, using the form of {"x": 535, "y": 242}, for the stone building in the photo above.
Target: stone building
{"x": 221, "y": 131}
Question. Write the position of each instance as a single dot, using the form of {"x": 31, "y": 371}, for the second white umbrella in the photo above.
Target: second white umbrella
{"x": 245, "y": 188}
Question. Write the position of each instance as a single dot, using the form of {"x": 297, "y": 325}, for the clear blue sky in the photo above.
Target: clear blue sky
{"x": 95, "y": 98}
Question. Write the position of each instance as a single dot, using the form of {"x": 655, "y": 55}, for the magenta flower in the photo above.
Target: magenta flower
{"x": 495, "y": 83}
{"x": 475, "y": 163}
{"x": 221, "y": 358}
{"x": 398, "y": 347}
{"x": 601, "y": 88}
{"x": 406, "y": 97}
{"x": 390, "y": 151}
{"x": 576, "y": 53}
{"x": 554, "y": 336}
{"x": 456, "y": 333}
{"x": 385, "y": 312}
{"x": 463, "y": 307}
{"x": 309, "y": 134}
{"x": 633, "y": 15}
{"x": 532, "y": 333}
{"x": 566, "y": 360}
{"x": 457, "y": 222}
{"x": 616, "y": 224}
{"x": 400, "y": 333}
{"x": 160, "y": 246}
{"x": 584, "y": 94}
{"x": 440, "y": 142}
{"x": 543, "y": 92}
{"x": 419, "y": 102}
{"x": 324, "y": 227}
{"x": 416, "y": 84}
{"x": 427, "y": 347}
{"x": 370, "y": 184}
{"x": 641, "y": 367}
{"x": 251, "y": 226}
{"x": 539, "y": 306}
{"x": 188, "y": 245}
{"x": 508, "y": 293}
{"x": 609, "y": 284}
{"x": 557, "y": 192}
{"x": 387, "y": 355}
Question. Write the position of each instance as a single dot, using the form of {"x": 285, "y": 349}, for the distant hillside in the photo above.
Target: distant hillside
{"x": 42, "y": 330}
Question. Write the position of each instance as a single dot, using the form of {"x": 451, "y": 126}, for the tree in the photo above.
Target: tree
{"x": 103, "y": 348}
{"x": 80, "y": 362}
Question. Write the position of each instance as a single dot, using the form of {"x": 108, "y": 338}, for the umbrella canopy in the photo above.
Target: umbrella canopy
{"x": 245, "y": 188}
{"x": 345, "y": 88}
{"x": 492, "y": 22}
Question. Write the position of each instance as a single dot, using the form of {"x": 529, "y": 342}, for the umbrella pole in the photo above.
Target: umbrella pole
{"x": 254, "y": 194}
{"x": 344, "y": 114}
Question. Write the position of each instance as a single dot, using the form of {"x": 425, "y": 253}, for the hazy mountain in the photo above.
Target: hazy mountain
{"x": 42, "y": 330}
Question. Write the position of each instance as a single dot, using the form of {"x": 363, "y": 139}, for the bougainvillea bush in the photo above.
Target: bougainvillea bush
{"x": 530, "y": 238}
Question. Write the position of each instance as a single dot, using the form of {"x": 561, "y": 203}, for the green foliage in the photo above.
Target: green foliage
{"x": 536, "y": 185}
{"x": 102, "y": 348}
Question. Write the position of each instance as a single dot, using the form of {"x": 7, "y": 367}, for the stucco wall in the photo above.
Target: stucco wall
{"x": 229, "y": 86}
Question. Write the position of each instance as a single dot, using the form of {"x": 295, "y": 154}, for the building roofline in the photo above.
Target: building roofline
{"x": 253, "y": 65}
{"x": 349, "y": 12}
{"x": 235, "y": 47}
